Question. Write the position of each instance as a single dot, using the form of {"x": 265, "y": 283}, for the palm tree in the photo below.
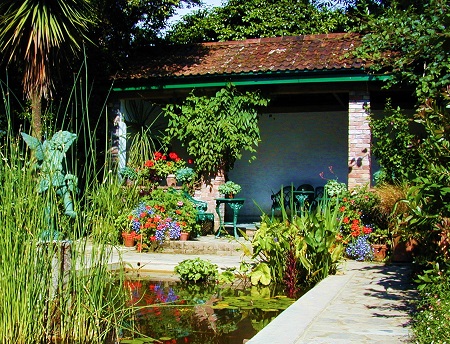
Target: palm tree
{"x": 35, "y": 34}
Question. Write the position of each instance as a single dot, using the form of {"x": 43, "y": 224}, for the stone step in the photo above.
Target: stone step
{"x": 209, "y": 244}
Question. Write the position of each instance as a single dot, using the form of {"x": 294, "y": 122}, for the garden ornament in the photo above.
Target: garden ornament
{"x": 50, "y": 156}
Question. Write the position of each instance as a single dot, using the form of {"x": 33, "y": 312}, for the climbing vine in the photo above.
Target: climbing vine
{"x": 216, "y": 130}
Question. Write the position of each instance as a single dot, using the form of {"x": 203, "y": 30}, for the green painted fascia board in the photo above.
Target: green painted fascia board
{"x": 257, "y": 81}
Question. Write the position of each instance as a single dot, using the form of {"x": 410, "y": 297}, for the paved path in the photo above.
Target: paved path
{"x": 367, "y": 303}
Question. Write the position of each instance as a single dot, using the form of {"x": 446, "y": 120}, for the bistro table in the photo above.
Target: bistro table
{"x": 304, "y": 198}
{"x": 235, "y": 204}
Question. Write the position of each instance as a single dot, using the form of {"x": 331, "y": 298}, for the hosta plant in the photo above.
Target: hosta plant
{"x": 197, "y": 271}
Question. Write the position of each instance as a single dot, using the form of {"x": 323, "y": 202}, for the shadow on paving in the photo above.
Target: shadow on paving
{"x": 394, "y": 287}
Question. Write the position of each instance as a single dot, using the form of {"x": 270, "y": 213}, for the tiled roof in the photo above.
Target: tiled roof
{"x": 280, "y": 54}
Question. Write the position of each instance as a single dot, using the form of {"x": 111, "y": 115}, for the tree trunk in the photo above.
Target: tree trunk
{"x": 36, "y": 109}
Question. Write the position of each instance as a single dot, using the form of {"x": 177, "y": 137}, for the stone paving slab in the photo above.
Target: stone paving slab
{"x": 365, "y": 303}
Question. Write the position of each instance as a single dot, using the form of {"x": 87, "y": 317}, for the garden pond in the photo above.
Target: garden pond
{"x": 175, "y": 312}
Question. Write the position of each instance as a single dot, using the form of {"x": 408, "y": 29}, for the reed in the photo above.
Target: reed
{"x": 40, "y": 301}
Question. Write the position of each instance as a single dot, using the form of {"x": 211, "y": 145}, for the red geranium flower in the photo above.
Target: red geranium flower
{"x": 367, "y": 230}
{"x": 158, "y": 155}
{"x": 149, "y": 163}
{"x": 173, "y": 156}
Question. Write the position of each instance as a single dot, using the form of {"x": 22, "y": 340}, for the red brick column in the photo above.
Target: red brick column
{"x": 359, "y": 137}
{"x": 208, "y": 192}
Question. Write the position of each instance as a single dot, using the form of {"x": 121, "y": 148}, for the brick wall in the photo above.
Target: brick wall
{"x": 208, "y": 192}
{"x": 359, "y": 137}
{"x": 294, "y": 148}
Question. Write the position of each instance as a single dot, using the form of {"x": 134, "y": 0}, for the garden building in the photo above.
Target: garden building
{"x": 316, "y": 120}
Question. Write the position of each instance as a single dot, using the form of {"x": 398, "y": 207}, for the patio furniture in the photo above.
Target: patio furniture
{"x": 304, "y": 197}
{"x": 235, "y": 204}
{"x": 321, "y": 198}
{"x": 319, "y": 192}
{"x": 276, "y": 199}
{"x": 202, "y": 207}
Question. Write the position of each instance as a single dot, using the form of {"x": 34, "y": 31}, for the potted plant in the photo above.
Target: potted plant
{"x": 381, "y": 242}
{"x": 128, "y": 174}
{"x": 124, "y": 225}
{"x": 229, "y": 189}
{"x": 165, "y": 166}
{"x": 163, "y": 216}
{"x": 185, "y": 175}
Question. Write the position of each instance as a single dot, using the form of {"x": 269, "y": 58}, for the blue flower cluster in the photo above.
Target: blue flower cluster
{"x": 174, "y": 229}
{"x": 160, "y": 292}
{"x": 160, "y": 235}
{"x": 360, "y": 249}
{"x": 135, "y": 222}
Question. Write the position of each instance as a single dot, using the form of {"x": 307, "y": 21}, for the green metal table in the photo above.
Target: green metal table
{"x": 235, "y": 204}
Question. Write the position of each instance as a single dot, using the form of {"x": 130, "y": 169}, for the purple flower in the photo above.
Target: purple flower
{"x": 360, "y": 249}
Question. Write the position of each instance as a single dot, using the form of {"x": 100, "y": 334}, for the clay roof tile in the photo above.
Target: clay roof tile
{"x": 289, "y": 53}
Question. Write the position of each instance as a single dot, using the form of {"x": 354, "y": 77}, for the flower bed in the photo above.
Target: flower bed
{"x": 162, "y": 216}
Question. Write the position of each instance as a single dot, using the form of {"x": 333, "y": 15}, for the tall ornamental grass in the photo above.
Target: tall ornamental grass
{"x": 46, "y": 297}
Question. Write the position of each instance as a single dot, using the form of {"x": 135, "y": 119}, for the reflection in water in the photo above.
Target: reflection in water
{"x": 189, "y": 313}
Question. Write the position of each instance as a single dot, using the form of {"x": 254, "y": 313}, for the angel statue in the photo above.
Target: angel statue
{"x": 50, "y": 156}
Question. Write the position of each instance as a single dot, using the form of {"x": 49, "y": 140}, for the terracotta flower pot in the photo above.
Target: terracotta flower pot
{"x": 184, "y": 236}
{"x": 171, "y": 180}
{"x": 403, "y": 251}
{"x": 128, "y": 239}
{"x": 379, "y": 251}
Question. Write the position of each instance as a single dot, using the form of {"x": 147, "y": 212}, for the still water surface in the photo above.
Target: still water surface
{"x": 173, "y": 312}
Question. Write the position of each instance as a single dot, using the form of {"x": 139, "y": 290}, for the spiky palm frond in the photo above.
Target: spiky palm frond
{"x": 38, "y": 33}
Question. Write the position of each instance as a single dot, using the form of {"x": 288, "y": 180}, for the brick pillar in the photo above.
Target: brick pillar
{"x": 359, "y": 137}
{"x": 208, "y": 192}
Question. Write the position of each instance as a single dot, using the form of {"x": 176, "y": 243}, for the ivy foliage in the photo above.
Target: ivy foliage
{"x": 395, "y": 145}
{"x": 257, "y": 18}
{"x": 216, "y": 130}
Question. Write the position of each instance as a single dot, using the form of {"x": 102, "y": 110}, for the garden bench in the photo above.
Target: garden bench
{"x": 304, "y": 196}
{"x": 201, "y": 207}
{"x": 202, "y": 215}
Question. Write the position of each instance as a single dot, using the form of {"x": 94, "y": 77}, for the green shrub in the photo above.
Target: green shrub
{"x": 431, "y": 320}
{"x": 299, "y": 250}
{"x": 197, "y": 270}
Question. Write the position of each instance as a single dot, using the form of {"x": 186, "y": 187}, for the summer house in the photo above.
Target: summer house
{"x": 317, "y": 117}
